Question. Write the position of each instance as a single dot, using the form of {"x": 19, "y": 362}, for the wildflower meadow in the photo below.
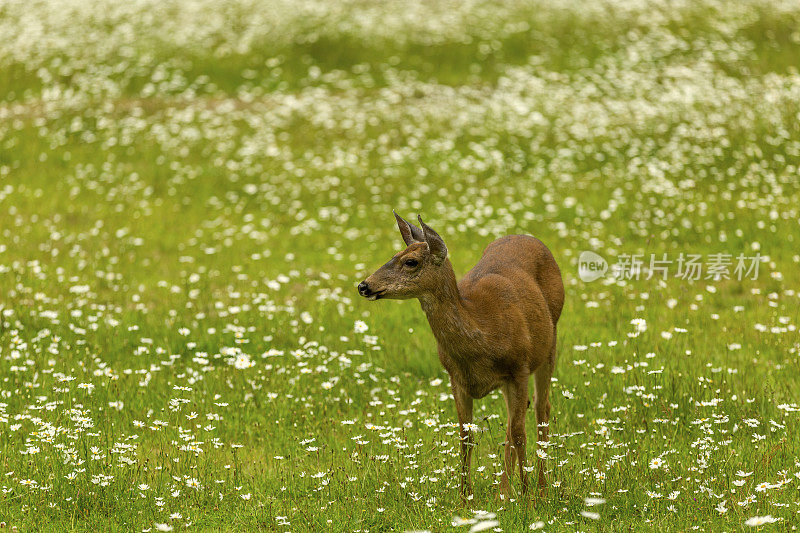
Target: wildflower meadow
{"x": 190, "y": 191}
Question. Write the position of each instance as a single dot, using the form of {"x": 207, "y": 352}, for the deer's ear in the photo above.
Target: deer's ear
{"x": 409, "y": 231}
{"x": 435, "y": 243}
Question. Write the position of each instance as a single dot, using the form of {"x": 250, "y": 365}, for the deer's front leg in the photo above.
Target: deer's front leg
{"x": 464, "y": 410}
{"x": 543, "y": 376}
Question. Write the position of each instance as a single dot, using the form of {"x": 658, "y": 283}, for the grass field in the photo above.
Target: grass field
{"x": 191, "y": 190}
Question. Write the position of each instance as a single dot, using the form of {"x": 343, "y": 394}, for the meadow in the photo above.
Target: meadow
{"x": 191, "y": 190}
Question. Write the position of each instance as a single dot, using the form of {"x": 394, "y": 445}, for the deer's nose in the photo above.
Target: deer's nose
{"x": 363, "y": 289}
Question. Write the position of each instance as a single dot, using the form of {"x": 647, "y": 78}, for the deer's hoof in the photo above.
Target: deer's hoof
{"x": 505, "y": 493}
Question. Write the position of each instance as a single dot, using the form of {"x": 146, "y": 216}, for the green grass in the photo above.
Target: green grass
{"x": 188, "y": 184}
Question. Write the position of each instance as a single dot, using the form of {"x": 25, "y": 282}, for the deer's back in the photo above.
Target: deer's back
{"x": 520, "y": 271}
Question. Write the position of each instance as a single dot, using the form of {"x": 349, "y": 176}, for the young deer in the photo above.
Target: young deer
{"x": 494, "y": 328}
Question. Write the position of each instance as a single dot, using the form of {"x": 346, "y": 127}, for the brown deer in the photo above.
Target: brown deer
{"x": 494, "y": 328}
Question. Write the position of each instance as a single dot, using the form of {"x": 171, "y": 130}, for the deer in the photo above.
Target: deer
{"x": 494, "y": 329}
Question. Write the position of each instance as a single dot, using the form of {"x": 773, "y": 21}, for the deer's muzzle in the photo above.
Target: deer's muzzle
{"x": 365, "y": 291}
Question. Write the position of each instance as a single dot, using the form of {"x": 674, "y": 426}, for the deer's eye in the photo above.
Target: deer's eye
{"x": 411, "y": 263}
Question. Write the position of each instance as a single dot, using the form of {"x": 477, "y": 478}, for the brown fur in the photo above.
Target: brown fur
{"x": 495, "y": 328}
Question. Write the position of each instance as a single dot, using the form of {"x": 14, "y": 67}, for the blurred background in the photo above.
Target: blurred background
{"x": 191, "y": 189}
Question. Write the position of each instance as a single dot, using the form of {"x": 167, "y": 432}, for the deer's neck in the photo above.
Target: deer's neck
{"x": 449, "y": 319}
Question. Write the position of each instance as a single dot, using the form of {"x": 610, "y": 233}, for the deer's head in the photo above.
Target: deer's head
{"x": 412, "y": 272}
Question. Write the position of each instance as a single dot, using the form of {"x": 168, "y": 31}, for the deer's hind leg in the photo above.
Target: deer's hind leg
{"x": 510, "y": 458}
{"x": 542, "y": 403}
